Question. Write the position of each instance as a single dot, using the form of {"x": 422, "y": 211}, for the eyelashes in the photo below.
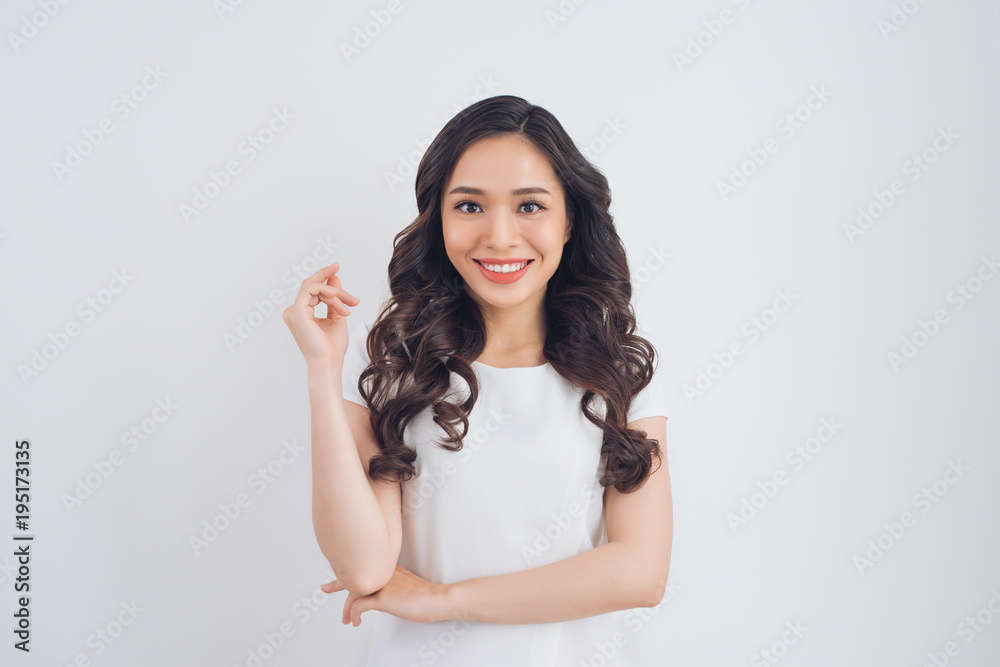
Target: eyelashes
{"x": 535, "y": 202}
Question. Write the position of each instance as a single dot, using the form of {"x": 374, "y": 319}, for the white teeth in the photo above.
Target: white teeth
{"x": 505, "y": 268}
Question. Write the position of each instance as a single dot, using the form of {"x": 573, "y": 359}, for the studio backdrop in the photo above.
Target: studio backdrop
{"x": 808, "y": 196}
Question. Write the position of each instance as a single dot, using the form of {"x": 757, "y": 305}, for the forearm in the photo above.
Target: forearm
{"x": 348, "y": 521}
{"x": 605, "y": 579}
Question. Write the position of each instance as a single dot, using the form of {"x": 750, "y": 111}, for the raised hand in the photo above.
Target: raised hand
{"x": 322, "y": 340}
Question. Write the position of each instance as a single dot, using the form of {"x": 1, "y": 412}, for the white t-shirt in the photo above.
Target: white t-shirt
{"x": 522, "y": 492}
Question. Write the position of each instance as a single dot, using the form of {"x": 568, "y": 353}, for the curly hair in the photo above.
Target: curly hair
{"x": 430, "y": 327}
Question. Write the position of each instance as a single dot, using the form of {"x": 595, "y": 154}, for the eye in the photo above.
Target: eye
{"x": 537, "y": 206}
{"x": 464, "y": 203}
{"x": 532, "y": 202}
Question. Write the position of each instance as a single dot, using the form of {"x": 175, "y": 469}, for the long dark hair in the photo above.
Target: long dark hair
{"x": 430, "y": 327}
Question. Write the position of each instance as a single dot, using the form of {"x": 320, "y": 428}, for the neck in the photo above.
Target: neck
{"x": 515, "y": 328}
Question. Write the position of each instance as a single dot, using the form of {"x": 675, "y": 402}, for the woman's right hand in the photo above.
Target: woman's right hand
{"x": 322, "y": 340}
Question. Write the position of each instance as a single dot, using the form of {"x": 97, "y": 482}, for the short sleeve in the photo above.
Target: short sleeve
{"x": 355, "y": 361}
{"x": 650, "y": 401}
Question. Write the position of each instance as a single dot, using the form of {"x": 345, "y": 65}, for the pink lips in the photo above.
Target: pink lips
{"x": 503, "y": 278}
{"x": 502, "y": 260}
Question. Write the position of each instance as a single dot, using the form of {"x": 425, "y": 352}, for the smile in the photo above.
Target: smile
{"x": 504, "y": 273}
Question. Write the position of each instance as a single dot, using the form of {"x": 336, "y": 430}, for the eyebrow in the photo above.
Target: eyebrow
{"x": 465, "y": 189}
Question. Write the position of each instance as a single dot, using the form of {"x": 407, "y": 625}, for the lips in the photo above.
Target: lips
{"x": 522, "y": 263}
{"x": 501, "y": 277}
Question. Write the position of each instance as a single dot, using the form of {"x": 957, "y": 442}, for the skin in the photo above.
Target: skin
{"x": 501, "y": 224}
{"x": 631, "y": 570}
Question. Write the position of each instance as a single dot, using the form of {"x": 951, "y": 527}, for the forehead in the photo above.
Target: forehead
{"x": 502, "y": 164}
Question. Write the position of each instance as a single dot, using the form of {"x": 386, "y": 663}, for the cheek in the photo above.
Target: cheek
{"x": 451, "y": 234}
{"x": 457, "y": 241}
{"x": 550, "y": 239}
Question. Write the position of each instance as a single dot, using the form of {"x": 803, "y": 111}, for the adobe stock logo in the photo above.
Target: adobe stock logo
{"x": 924, "y": 500}
{"x": 105, "y": 636}
{"x": 712, "y": 30}
{"x": 562, "y": 525}
{"x": 265, "y": 307}
{"x": 779, "y": 648}
{"x": 900, "y": 16}
{"x": 122, "y": 107}
{"x": 30, "y": 26}
{"x": 428, "y": 482}
{"x": 88, "y": 310}
{"x": 752, "y": 329}
{"x": 751, "y": 505}
{"x": 562, "y": 12}
{"x": 787, "y": 126}
{"x": 605, "y": 650}
{"x": 613, "y": 128}
{"x": 914, "y": 167}
{"x": 406, "y": 165}
{"x": 224, "y": 7}
{"x": 231, "y": 510}
{"x": 136, "y": 435}
{"x": 381, "y": 18}
{"x": 253, "y": 145}
{"x": 968, "y": 629}
{"x": 928, "y": 329}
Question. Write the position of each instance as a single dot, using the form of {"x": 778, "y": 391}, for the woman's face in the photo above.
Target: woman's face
{"x": 504, "y": 205}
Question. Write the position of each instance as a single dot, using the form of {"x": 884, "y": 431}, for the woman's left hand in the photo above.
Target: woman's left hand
{"x": 406, "y": 596}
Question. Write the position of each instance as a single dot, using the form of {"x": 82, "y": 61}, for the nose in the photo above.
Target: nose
{"x": 501, "y": 230}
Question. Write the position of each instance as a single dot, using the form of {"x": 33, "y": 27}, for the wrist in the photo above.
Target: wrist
{"x": 325, "y": 370}
{"x": 324, "y": 385}
{"x": 453, "y": 603}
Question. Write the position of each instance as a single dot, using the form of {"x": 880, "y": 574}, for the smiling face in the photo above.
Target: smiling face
{"x": 503, "y": 215}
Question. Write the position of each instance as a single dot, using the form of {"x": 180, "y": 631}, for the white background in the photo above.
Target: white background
{"x": 682, "y": 128}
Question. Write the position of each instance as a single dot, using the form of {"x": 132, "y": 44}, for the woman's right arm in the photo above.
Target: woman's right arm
{"x": 357, "y": 521}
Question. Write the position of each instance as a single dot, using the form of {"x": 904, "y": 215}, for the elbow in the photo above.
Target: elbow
{"x": 359, "y": 588}
{"x": 366, "y": 586}
{"x": 650, "y": 585}
{"x": 655, "y": 588}
{"x": 362, "y": 583}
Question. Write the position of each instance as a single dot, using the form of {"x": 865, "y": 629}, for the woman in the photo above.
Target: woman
{"x": 487, "y": 468}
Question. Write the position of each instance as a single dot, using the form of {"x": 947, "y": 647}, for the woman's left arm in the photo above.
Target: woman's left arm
{"x": 629, "y": 571}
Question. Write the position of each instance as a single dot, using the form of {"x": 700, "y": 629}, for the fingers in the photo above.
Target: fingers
{"x": 338, "y": 300}
{"x": 328, "y": 274}
{"x": 356, "y": 610}
{"x": 332, "y": 587}
{"x": 345, "y": 616}
{"x": 311, "y": 296}
{"x": 354, "y": 606}
{"x": 324, "y": 274}
{"x": 315, "y": 289}
{"x": 334, "y": 298}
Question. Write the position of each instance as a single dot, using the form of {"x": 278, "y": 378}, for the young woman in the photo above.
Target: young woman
{"x": 487, "y": 460}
